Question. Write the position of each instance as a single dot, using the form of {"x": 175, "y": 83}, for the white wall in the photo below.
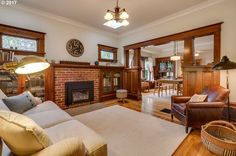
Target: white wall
{"x": 58, "y": 33}
{"x": 224, "y": 11}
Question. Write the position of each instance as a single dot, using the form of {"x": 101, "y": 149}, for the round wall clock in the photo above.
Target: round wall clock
{"x": 75, "y": 47}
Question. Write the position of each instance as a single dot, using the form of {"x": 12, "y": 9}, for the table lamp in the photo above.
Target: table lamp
{"x": 225, "y": 64}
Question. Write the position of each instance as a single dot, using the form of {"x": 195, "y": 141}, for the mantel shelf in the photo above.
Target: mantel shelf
{"x": 82, "y": 66}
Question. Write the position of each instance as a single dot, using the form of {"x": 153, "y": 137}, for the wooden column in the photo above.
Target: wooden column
{"x": 132, "y": 76}
{"x": 49, "y": 83}
{"x": 126, "y": 56}
{"x": 188, "y": 52}
{"x": 21, "y": 84}
{"x": 217, "y": 41}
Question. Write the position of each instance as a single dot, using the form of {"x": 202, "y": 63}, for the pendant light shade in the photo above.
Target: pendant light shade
{"x": 125, "y": 23}
{"x": 117, "y": 18}
{"x": 175, "y": 57}
{"x": 108, "y": 16}
{"x": 124, "y": 15}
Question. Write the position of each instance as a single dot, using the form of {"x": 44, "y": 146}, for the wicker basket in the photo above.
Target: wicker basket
{"x": 219, "y": 137}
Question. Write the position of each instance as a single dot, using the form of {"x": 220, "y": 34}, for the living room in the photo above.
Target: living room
{"x": 88, "y": 93}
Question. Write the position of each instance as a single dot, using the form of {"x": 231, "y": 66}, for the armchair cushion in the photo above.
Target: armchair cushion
{"x": 180, "y": 107}
{"x": 180, "y": 99}
{"x": 205, "y": 105}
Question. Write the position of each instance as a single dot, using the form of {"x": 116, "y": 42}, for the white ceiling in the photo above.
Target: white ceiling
{"x": 202, "y": 44}
{"x": 91, "y": 12}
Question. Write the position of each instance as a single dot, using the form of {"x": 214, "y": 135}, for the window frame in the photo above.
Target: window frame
{"x": 107, "y": 49}
{"x": 23, "y": 33}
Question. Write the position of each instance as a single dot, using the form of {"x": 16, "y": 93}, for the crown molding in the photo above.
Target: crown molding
{"x": 187, "y": 11}
{"x": 63, "y": 19}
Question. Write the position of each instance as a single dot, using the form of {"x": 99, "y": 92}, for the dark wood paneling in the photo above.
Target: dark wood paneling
{"x": 197, "y": 78}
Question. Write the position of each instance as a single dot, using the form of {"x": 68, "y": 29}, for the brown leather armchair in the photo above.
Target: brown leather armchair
{"x": 196, "y": 114}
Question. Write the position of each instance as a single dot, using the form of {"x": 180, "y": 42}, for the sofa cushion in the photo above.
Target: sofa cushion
{"x": 50, "y": 118}
{"x": 45, "y": 106}
{"x": 20, "y": 103}
{"x": 2, "y": 95}
{"x": 92, "y": 141}
{"x": 21, "y": 134}
{"x": 67, "y": 147}
{"x": 3, "y": 106}
{"x": 180, "y": 107}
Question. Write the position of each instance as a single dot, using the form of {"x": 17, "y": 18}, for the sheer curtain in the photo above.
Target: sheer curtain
{"x": 149, "y": 68}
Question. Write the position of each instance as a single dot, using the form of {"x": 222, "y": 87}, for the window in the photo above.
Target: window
{"x": 204, "y": 50}
{"x": 107, "y": 53}
{"x": 18, "y": 43}
{"x": 21, "y": 41}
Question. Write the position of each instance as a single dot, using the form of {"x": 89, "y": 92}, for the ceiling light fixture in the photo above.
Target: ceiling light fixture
{"x": 175, "y": 57}
{"x": 196, "y": 54}
{"x": 116, "y": 18}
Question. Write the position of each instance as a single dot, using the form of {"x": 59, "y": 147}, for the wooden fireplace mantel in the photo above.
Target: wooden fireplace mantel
{"x": 82, "y": 66}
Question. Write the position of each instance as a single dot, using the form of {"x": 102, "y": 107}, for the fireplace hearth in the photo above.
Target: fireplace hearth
{"x": 79, "y": 92}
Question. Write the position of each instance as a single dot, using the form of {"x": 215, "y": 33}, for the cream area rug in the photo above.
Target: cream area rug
{"x": 131, "y": 133}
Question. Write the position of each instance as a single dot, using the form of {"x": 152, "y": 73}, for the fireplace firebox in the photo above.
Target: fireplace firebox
{"x": 79, "y": 92}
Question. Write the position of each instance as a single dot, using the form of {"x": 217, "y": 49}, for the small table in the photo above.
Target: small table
{"x": 178, "y": 82}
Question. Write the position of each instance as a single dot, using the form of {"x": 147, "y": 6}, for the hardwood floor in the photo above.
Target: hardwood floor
{"x": 191, "y": 146}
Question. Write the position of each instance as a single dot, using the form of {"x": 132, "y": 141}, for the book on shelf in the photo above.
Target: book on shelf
{"x": 7, "y": 56}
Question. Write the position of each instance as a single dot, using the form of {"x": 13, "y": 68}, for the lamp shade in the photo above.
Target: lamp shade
{"x": 124, "y": 15}
{"x": 224, "y": 64}
{"x": 108, "y": 16}
{"x": 175, "y": 58}
{"x": 31, "y": 64}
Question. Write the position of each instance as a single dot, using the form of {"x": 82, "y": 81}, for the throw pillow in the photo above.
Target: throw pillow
{"x": 198, "y": 98}
{"x": 21, "y": 134}
{"x": 20, "y": 103}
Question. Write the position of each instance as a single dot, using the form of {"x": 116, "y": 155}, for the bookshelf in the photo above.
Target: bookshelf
{"x": 6, "y": 57}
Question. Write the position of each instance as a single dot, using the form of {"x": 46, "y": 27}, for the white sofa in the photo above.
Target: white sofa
{"x": 60, "y": 126}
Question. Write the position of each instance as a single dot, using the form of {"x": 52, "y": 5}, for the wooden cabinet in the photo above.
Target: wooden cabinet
{"x": 111, "y": 79}
{"x": 164, "y": 68}
{"x": 12, "y": 84}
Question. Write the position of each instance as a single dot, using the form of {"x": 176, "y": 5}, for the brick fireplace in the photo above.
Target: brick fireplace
{"x": 65, "y": 74}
